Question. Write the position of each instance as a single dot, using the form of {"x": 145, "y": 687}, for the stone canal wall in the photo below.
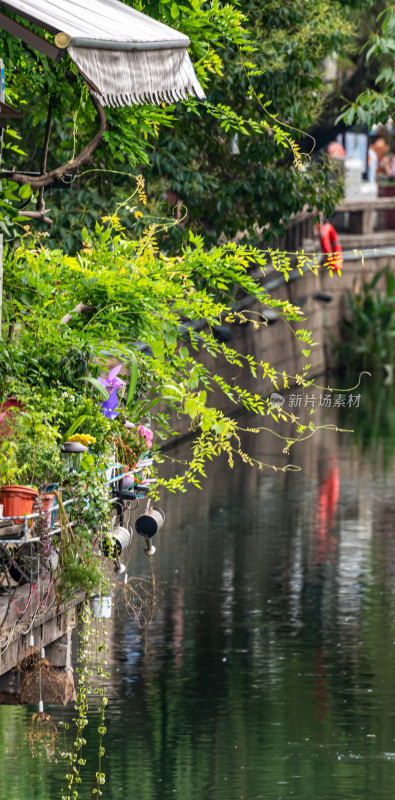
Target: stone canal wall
{"x": 276, "y": 343}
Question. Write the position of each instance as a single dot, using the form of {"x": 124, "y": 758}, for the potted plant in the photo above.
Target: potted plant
{"x": 78, "y": 443}
{"x": 28, "y": 464}
{"x": 80, "y": 563}
{"x": 129, "y": 445}
{"x": 15, "y": 498}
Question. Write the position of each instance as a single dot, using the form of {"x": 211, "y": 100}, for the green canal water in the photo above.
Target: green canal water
{"x": 268, "y": 670}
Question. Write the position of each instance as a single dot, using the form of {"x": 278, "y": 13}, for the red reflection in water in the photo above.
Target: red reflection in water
{"x": 328, "y": 498}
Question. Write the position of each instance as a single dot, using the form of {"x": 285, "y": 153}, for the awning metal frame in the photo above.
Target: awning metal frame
{"x": 56, "y": 51}
{"x": 132, "y": 59}
{"x": 100, "y": 44}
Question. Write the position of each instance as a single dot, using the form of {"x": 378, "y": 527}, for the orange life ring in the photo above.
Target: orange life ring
{"x": 330, "y": 244}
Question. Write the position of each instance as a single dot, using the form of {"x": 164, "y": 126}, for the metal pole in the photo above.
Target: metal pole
{"x": 103, "y": 44}
{"x": 2, "y": 87}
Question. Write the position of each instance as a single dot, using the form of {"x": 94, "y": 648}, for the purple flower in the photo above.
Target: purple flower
{"x": 113, "y": 383}
{"x": 108, "y": 407}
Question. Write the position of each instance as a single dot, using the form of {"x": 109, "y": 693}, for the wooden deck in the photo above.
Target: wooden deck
{"x": 41, "y": 624}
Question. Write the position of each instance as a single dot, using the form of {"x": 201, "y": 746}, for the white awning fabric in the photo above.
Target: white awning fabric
{"x": 126, "y": 56}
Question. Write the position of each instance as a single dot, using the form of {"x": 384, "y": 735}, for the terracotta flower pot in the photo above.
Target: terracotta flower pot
{"x": 48, "y": 500}
{"x": 17, "y": 500}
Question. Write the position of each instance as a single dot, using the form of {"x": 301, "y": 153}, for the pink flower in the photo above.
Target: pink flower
{"x": 147, "y": 433}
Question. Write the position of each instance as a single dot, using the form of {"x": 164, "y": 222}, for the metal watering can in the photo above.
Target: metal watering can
{"x": 116, "y": 542}
{"x": 149, "y": 524}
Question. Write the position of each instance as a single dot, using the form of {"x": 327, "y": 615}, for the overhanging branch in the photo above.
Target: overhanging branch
{"x": 36, "y": 182}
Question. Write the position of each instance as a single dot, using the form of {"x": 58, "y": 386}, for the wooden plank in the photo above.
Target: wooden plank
{"x": 364, "y": 241}
{"x": 47, "y": 627}
{"x": 6, "y": 112}
{"x": 378, "y": 204}
{"x": 20, "y": 601}
{"x": 30, "y": 38}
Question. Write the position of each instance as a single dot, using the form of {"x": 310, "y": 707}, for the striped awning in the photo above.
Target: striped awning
{"x": 125, "y": 56}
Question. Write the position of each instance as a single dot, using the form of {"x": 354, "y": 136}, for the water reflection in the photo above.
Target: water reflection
{"x": 268, "y": 670}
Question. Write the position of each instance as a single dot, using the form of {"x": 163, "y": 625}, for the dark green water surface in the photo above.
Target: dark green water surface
{"x": 268, "y": 671}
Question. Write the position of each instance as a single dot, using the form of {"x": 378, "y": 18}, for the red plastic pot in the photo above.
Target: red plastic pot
{"x": 18, "y": 501}
{"x": 48, "y": 500}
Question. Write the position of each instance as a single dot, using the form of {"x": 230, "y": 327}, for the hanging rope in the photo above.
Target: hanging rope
{"x": 41, "y": 604}
{"x": 27, "y": 604}
{"x": 44, "y": 603}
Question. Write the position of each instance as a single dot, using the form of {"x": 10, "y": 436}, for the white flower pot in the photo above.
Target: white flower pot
{"x": 101, "y": 606}
{"x": 74, "y": 447}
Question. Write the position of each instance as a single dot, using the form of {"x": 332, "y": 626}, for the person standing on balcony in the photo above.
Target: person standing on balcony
{"x": 376, "y": 155}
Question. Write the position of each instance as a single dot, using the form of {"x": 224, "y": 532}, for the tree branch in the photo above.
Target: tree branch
{"x": 71, "y": 166}
{"x": 81, "y": 308}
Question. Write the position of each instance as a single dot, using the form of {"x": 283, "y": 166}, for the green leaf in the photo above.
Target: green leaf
{"x": 74, "y": 426}
{"x": 134, "y": 369}
{"x": 171, "y": 392}
{"x": 99, "y": 386}
{"x": 25, "y": 191}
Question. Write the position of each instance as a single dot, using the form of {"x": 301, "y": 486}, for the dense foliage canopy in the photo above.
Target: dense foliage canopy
{"x": 220, "y": 161}
{"x": 67, "y": 318}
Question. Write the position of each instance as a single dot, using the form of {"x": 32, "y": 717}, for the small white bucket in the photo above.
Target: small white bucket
{"x": 101, "y": 606}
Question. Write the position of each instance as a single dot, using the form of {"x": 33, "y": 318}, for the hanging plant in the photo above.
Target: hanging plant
{"x": 86, "y": 672}
{"x": 81, "y": 568}
{"x": 42, "y": 734}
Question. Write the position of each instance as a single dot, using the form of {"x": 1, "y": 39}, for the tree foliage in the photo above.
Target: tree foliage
{"x": 375, "y": 103}
{"x": 262, "y": 70}
{"x": 129, "y": 292}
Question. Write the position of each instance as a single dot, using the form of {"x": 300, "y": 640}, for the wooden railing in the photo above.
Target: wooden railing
{"x": 366, "y": 216}
{"x": 299, "y": 228}
{"x": 353, "y": 219}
